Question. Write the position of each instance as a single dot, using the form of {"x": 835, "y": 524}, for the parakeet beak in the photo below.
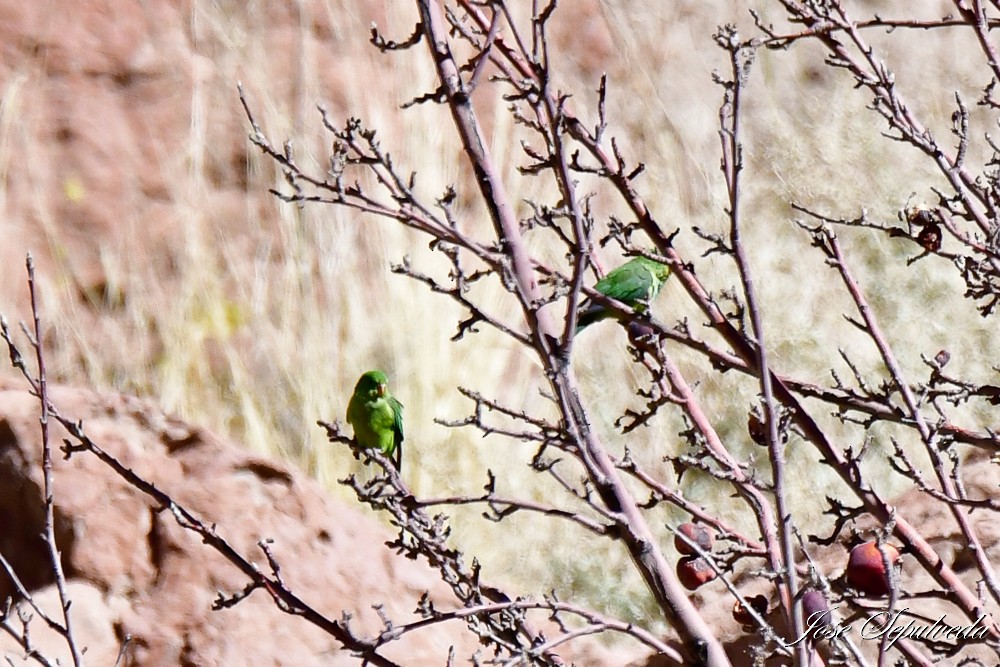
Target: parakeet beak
{"x": 381, "y": 390}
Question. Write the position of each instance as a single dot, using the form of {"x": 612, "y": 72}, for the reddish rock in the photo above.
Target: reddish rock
{"x": 133, "y": 571}
{"x": 136, "y": 572}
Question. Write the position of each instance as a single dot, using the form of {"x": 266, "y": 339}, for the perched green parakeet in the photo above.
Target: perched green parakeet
{"x": 635, "y": 283}
{"x": 376, "y": 416}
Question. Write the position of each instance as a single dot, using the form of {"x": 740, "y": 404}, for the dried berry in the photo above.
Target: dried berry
{"x": 701, "y": 535}
{"x": 930, "y": 237}
{"x": 694, "y": 571}
{"x": 639, "y": 331}
{"x": 921, "y": 216}
{"x": 866, "y": 570}
{"x": 929, "y": 222}
{"x": 743, "y": 617}
{"x": 757, "y": 429}
{"x": 816, "y": 610}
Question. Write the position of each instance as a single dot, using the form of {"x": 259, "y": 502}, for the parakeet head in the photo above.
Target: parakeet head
{"x": 372, "y": 383}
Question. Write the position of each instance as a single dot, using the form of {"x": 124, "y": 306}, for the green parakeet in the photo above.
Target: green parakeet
{"x": 635, "y": 283}
{"x": 376, "y": 416}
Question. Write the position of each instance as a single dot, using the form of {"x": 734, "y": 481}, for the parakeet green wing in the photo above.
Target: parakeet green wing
{"x": 629, "y": 283}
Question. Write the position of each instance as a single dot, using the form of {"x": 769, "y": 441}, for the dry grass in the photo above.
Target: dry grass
{"x": 261, "y": 321}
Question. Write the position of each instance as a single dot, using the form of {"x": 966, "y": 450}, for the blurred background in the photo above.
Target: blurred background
{"x": 167, "y": 270}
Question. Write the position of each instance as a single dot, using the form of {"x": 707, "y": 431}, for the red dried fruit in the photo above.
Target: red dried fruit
{"x": 757, "y": 429}
{"x": 697, "y": 533}
{"x": 929, "y": 222}
{"x": 694, "y": 571}
{"x": 930, "y": 238}
{"x": 921, "y": 215}
{"x": 866, "y": 571}
{"x": 640, "y": 331}
{"x": 816, "y": 610}
{"x": 743, "y": 617}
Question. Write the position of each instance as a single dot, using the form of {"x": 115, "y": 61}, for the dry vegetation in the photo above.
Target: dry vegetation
{"x": 261, "y": 321}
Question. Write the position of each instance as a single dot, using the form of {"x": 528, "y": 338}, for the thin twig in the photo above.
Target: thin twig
{"x": 55, "y": 558}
